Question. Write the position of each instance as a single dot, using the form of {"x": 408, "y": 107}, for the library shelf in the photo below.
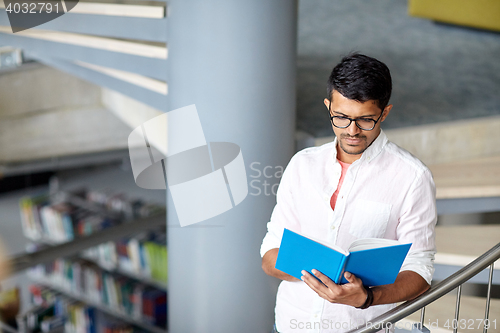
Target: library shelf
{"x": 106, "y": 309}
{"x": 145, "y": 279}
{"x": 55, "y": 245}
{"x": 162, "y": 285}
{"x": 127, "y": 229}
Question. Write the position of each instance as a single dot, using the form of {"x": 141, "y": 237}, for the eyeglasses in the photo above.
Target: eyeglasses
{"x": 364, "y": 124}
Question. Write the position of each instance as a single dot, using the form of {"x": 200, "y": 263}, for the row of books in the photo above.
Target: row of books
{"x": 143, "y": 256}
{"x": 55, "y": 312}
{"x": 119, "y": 203}
{"x": 51, "y": 313}
{"x": 46, "y": 218}
{"x": 117, "y": 293}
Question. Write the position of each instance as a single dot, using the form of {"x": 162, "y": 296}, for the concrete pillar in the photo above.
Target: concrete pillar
{"x": 236, "y": 61}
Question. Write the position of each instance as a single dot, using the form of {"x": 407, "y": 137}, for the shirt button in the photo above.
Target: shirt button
{"x": 333, "y": 227}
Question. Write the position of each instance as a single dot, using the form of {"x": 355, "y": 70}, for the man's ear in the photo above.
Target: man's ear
{"x": 386, "y": 112}
{"x": 327, "y": 103}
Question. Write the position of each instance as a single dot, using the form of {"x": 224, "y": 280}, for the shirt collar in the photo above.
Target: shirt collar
{"x": 371, "y": 152}
{"x": 376, "y": 147}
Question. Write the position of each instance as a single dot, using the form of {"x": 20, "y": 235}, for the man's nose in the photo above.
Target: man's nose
{"x": 353, "y": 129}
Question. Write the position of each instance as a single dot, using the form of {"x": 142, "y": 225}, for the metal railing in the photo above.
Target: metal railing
{"x": 388, "y": 319}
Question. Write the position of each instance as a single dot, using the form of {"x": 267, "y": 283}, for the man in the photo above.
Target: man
{"x": 358, "y": 186}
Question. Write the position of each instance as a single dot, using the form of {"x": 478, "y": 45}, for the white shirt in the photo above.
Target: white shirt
{"x": 387, "y": 193}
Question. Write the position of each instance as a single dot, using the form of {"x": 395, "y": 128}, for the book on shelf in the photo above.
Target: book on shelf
{"x": 53, "y": 312}
{"x": 30, "y": 218}
{"x": 124, "y": 278}
{"x": 154, "y": 304}
{"x": 142, "y": 256}
{"x": 58, "y": 222}
{"x": 117, "y": 293}
{"x": 375, "y": 261}
{"x": 62, "y": 218}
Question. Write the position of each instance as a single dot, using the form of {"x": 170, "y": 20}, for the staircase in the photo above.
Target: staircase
{"x": 121, "y": 46}
{"x": 458, "y": 246}
{"x": 440, "y": 314}
{"x": 50, "y": 120}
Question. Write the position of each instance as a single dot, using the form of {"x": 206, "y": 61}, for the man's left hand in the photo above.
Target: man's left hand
{"x": 352, "y": 293}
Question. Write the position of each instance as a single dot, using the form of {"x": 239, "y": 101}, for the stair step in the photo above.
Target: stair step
{"x": 61, "y": 132}
{"x": 479, "y": 177}
{"x": 459, "y": 245}
{"x": 34, "y": 88}
{"x": 471, "y": 315}
{"x": 137, "y": 48}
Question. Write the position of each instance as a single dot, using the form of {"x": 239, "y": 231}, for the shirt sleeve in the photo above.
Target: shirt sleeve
{"x": 284, "y": 215}
{"x": 416, "y": 226}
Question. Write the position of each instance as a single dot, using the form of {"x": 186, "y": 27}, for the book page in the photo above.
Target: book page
{"x": 331, "y": 246}
{"x": 371, "y": 243}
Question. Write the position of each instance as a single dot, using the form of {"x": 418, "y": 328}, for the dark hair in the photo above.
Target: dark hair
{"x": 361, "y": 78}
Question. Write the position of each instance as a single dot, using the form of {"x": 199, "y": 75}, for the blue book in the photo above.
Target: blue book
{"x": 376, "y": 261}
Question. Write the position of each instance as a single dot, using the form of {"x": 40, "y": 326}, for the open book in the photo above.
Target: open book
{"x": 375, "y": 261}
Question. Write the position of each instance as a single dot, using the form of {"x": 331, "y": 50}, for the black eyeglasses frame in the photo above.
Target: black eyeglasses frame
{"x": 353, "y": 119}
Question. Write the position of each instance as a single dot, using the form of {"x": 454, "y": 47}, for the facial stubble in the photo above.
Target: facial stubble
{"x": 343, "y": 136}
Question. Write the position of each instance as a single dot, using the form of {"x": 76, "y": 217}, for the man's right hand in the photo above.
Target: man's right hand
{"x": 268, "y": 263}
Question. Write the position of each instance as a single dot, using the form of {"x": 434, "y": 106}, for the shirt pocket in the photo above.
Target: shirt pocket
{"x": 370, "y": 219}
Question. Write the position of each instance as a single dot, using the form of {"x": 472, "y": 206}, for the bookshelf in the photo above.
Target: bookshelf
{"x": 111, "y": 225}
{"x": 53, "y": 251}
{"x": 162, "y": 285}
{"x": 106, "y": 309}
{"x": 21, "y": 262}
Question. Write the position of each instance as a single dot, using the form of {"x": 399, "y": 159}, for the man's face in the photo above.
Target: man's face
{"x": 353, "y": 141}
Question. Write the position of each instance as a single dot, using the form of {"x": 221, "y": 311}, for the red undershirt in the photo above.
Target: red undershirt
{"x": 344, "y": 166}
